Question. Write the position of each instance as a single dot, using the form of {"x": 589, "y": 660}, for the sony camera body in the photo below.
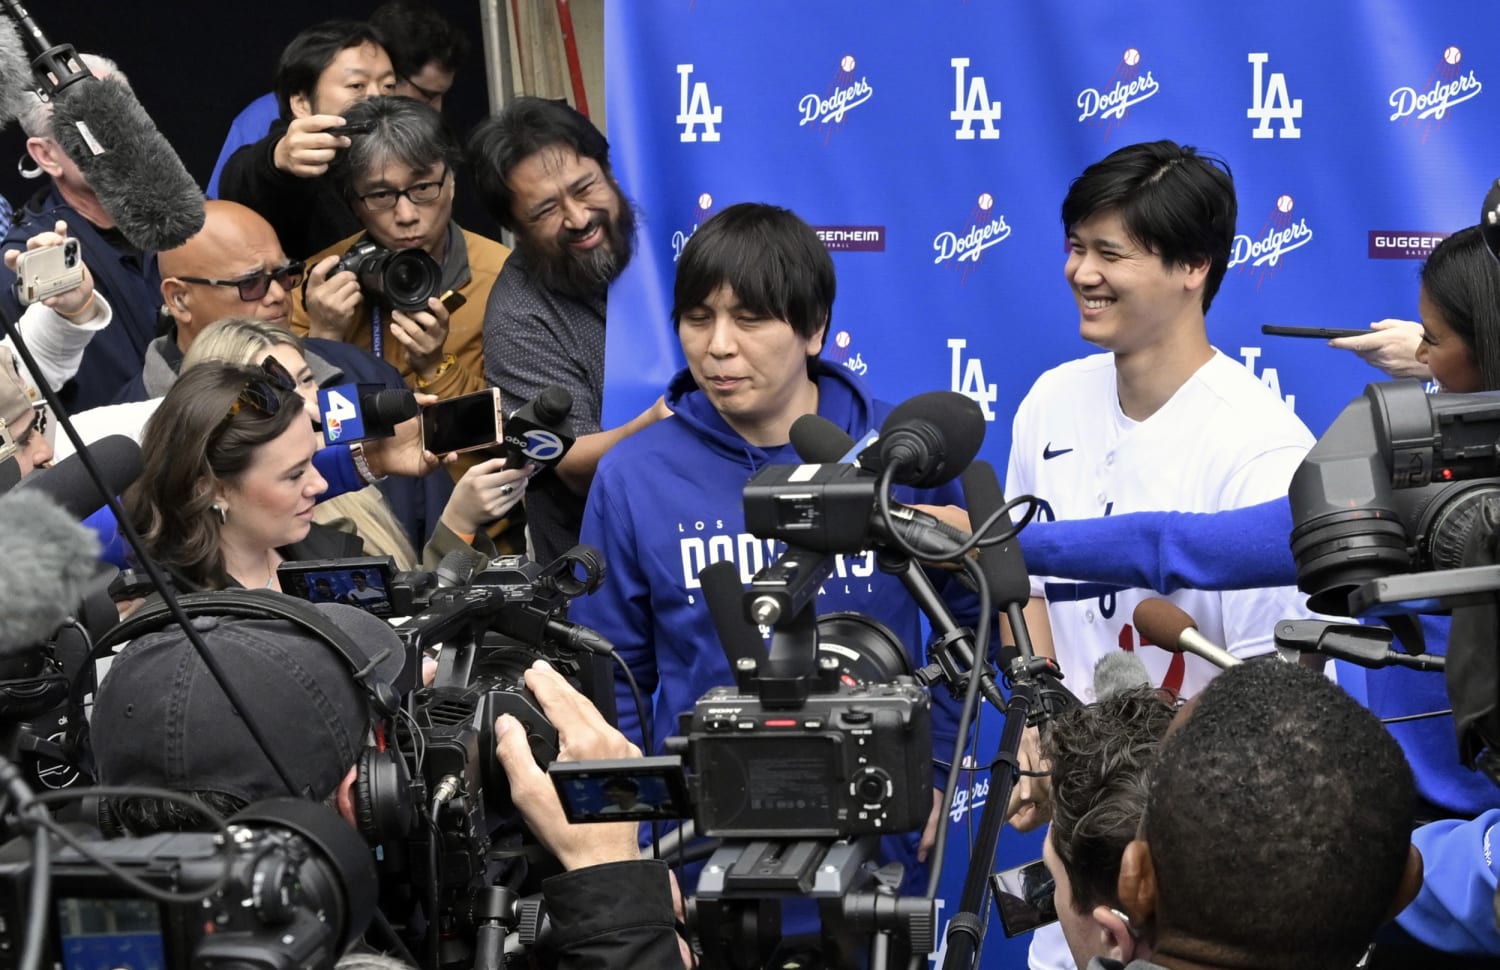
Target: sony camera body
{"x": 403, "y": 279}
{"x": 856, "y": 761}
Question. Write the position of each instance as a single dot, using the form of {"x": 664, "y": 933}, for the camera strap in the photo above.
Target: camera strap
{"x": 377, "y": 333}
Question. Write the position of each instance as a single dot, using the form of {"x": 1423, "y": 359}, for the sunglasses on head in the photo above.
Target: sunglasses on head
{"x": 253, "y": 288}
{"x": 266, "y": 392}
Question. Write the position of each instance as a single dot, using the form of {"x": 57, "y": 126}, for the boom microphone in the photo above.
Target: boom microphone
{"x": 69, "y": 484}
{"x": 48, "y": 558}
{"x": 929, "y": 438}
{"x": 538, "y": 431}
{"x": 139, "y": 180}
{"x": 1165, "y": 624}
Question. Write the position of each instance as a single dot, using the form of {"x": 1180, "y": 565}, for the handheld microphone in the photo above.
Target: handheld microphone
{"x": 356, "y": 412}
{"x": 69, "y": 484}
{"x": 1119, "y": 672}
{"x": 538, "y": 432}
{"x": 133, "y": 171}
{"x": 1168, "y": 626}
{"x": 1004, "y": 565}
{"x": 48, "y": 559}
{"x": 457, "y": 568}
{"x": 929, "y": 439}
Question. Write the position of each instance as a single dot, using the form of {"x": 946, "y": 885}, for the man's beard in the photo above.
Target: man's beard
{"x": 583, "y": 273}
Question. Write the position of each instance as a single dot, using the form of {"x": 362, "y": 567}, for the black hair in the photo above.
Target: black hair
{"x": 305, "y": 59}
{"x": 774, "y": 262}
{"x": 1279, "y": 821}
{"x": 404, "y": 131}
{"x": 1100, "y": 758}
{"x": 1173, "y": 200}
{"x": 622, "y": 783}
{"x": 1462, "y": 279}
{"x": 416, "y": 35}
{"x": 521, "y": 129}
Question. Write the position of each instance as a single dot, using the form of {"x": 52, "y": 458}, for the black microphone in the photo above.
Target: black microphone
{"x": 819, "y": 441}
{"x": 1169, "y": 626}
{"x": 1004, "y": 565}
{"x": 929, "y": 439}
{"x": 139, "y": 180}
{"x": 457, "y": 568}
{"x": 724, "y": 595}
{"x": 48, "y": 559}
{"x": 538, "y": 431}
{"x": 69, "y": 484}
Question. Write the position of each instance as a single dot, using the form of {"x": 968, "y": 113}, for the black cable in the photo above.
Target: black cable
{"x": 978, "y": 536}
{"x": 648, "y": 732}
{"x": 435, "y": 890}
{"x": 1415, "y": 717}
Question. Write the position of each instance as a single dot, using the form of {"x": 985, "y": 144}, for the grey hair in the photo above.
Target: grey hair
{"x": 405, "y": 132}
{"x": 35, "y": 115}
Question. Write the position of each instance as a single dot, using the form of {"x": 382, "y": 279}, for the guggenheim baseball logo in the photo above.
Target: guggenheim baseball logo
{"x": 966, "y": 247}
{"x": 844, "y": 93}
{"x": 1108, "y": 107}
{"x": 1446, "y": 86}
{"x": 1279, "y": 235}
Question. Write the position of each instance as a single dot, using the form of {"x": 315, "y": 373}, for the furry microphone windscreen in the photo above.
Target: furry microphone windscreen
{"x": 138, "y": 178}
{"x": 15, "y": 72}
{"x": 45, "y": 559}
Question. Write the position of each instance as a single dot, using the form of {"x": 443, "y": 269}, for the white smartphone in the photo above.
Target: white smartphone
{"x": 41, "y": 273}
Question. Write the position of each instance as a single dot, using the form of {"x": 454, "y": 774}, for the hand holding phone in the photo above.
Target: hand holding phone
{"x": 465, "y": 423}
{"x": 48, "y": 271}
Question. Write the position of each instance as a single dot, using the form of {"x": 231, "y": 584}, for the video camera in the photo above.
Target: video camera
{"x": 403, "y": 279}
{"x": 292, "y": 887}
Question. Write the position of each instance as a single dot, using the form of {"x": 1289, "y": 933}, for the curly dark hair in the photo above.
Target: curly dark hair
{"x": 1101, "y": 756}
{"x": 191, "y": 443}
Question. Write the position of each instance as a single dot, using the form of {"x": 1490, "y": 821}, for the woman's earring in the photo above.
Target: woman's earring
{"x": 223, "y": 516}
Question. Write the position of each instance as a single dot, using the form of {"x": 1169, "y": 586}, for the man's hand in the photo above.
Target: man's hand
{"x": 423, "y": 334}
{"x": 402, "y": 453}
{"x": 1031, "y": 798}
{"x": 307, "y": 147}
{"x": 332, "y": 304}
{"x": 486, "y": 492}
{"x": 1391, "y": 345}
{"x": 75, "y": 304}
{"x": 582, "y": 735}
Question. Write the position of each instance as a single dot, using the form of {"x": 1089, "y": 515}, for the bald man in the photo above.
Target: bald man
{"x": 233, "y": 267}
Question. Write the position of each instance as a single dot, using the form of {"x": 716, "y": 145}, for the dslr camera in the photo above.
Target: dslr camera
{"x": 403, "y": 279}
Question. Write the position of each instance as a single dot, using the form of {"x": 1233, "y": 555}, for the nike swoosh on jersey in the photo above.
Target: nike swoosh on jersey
{"x": 1048, "y": 454}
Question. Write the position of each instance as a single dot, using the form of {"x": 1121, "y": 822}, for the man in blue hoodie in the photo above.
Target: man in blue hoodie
{"x": 752, "y": 303}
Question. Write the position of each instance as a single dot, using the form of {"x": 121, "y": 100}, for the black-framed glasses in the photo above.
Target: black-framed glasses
{"x": 253, "y": 287}
{"x": 423, "y": 193}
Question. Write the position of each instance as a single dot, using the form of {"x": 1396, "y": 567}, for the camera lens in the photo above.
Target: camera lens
{"x": 409, "y": 279}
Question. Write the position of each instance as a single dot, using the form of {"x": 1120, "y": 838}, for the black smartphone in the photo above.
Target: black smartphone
{"x": 1024, "y": 897}
{"x": 1321, "y": 333}
{"x": 130, "y": 584}
{"x": 464, "y": 423}
{"x": 621, "y": 789}
{"x": 452, "y": 300}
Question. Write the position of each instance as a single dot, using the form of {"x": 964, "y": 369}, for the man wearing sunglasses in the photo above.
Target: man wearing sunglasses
{"x": 398, "y": 178}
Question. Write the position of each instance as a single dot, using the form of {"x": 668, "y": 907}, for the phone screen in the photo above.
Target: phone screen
{"x": 461, "y": 423}
{"x": 1024, "y": 897}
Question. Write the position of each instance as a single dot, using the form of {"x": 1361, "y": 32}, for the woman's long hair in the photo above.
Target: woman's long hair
{"x": 1462, "y": 279}
{"x": 191, "y": 444}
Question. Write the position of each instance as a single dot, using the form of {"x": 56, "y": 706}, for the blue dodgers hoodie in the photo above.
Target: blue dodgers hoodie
{"x": 669, "y": 500}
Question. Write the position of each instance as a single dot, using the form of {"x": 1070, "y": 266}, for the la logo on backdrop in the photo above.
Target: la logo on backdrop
{"x": 826, "y": 112}
{"x": 1446, "y": 87}
{"x": 972, "y": 104}
{"x": 1109, "y": 106}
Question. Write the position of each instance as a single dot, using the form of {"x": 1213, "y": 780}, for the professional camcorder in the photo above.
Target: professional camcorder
{"x": 403, "y": 279}
{"x": 292, "y": 887}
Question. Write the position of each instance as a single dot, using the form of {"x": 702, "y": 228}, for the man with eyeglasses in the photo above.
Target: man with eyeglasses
{"x": 398, "y": 178}
{"x": 125, "y": 279}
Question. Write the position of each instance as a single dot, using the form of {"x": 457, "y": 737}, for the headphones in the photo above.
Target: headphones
{"x": 382, "y": 786}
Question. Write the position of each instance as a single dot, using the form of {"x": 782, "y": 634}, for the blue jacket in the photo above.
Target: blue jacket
{"x": 668, "y": 501}
{"x": 129, "y": 281}
{"x": 248, "y": 127}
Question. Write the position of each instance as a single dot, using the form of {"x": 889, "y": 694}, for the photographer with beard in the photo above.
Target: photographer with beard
{"x": 542, "y": 170}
